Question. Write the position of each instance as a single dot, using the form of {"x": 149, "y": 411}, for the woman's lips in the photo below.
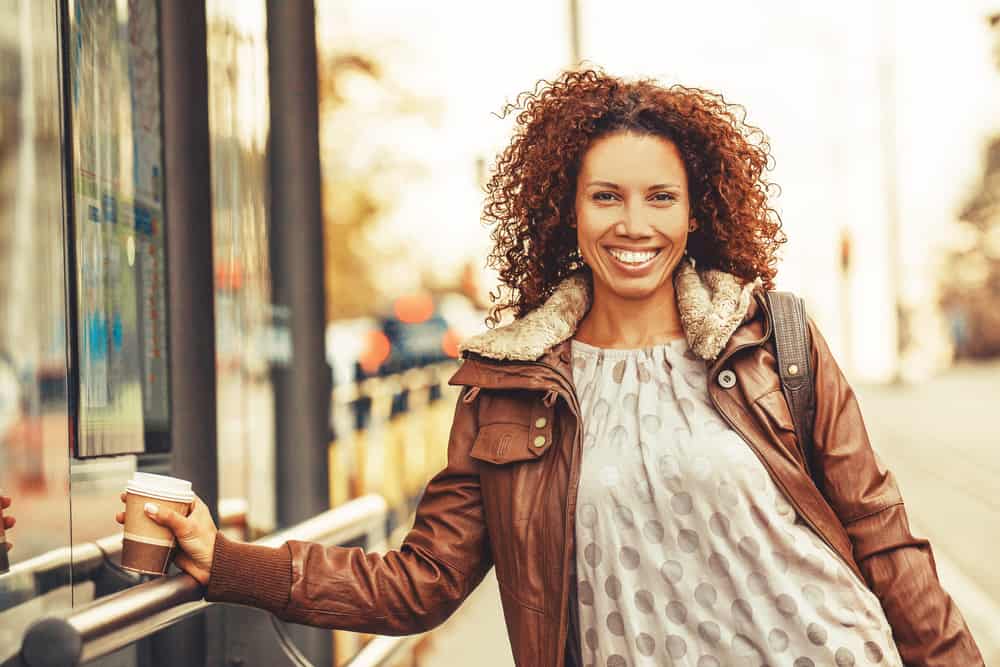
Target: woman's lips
{"x": 633, "y": 261}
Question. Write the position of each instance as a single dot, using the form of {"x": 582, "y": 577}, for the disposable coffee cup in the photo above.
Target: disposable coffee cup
{"x": 147, "y": 546}
{"x": 4, "y": 561}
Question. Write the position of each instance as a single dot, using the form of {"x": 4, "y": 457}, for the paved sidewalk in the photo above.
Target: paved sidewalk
{"x": 475, "y": 635}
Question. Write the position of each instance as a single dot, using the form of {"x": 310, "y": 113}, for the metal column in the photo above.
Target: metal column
{"x": 188, "y": 212}
{"x": 302, "y": 387}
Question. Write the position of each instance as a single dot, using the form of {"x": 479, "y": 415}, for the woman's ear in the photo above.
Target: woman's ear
{"x": 692, "y": 225}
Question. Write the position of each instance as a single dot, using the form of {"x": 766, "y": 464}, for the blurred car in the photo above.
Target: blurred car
{"x": 418, "y": 330}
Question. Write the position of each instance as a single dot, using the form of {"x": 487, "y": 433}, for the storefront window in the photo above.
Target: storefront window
{"x": 245, "y": 343}
{"x": 34, "y": 429}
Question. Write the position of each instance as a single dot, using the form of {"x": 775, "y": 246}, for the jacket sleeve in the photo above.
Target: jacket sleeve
{"x": 404, "y": 591}
{"x": 899, "y": 568}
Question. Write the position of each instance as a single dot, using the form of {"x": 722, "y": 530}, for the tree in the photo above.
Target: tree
{"x": 971, "y": 278}
{"x": 358, "y": 102}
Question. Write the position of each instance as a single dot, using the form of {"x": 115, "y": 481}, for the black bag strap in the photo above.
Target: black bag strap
{"x": 794, "y": 350}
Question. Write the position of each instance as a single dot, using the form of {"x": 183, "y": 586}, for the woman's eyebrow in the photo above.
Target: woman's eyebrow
{"x": 615, "y": 186}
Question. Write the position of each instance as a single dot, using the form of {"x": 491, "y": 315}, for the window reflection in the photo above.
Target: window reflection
{"x": 34, "y": 462}
{"x": 239, "y": 123}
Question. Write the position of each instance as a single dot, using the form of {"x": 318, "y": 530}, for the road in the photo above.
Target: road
{"x": 941, "y": 441}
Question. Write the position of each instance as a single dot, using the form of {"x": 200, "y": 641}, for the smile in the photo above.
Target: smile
{"x": 633, "y": 258}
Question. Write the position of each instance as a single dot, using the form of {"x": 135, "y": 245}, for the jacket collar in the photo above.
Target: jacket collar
{"x": 712, "y": 305}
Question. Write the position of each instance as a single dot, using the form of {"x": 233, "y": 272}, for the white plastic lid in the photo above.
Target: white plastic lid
{"x": 161, "y": 486}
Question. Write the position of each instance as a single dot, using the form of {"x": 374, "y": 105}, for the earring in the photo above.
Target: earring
{"x": 692, "y": 226}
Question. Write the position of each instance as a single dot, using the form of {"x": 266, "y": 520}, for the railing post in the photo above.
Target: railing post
{"x": 188, "y": 198}
{"x": 301, "y": 387}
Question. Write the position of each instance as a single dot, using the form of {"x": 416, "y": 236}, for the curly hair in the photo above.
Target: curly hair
{"x": 531, "y": 192}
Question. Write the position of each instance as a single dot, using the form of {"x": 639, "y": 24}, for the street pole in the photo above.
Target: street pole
{"x": 302, "y": 384}
{"x": 574, "y": 32}
{"x": 886, "y": 29}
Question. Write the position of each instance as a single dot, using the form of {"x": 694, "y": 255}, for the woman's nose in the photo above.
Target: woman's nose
{"x": 632, "y": 226}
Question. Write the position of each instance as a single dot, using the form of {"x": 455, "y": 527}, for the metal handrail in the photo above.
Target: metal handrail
{"x": 82, "y": 562}
{"x": 85, "y": 557}
{"x": 425, "y": 376}
{"x": 119, "y": 620}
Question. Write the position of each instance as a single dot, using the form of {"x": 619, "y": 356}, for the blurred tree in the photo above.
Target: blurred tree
{"x": 970, "y": 281}
{"x": 361, "y": 105}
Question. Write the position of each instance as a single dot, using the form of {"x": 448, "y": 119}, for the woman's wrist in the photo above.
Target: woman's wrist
{"x": 249, "y": 574}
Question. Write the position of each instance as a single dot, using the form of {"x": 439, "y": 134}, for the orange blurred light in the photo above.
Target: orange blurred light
{"x": 449, "y": 343}
{"x": 377, "y": 350}
{"x": 414, "y": 308}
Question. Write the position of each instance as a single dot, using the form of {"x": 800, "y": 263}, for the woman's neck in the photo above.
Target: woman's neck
{"x": 617, "y": 322}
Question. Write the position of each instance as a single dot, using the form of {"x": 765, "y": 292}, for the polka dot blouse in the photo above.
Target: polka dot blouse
{"x": 687, "y": 552}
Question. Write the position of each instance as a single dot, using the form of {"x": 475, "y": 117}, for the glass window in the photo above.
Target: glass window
{"x": 239, "y": 123}
{"x": 34, "y": 428}
{"x": 117, "y": 225}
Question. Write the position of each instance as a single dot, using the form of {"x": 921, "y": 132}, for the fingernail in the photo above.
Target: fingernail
{"x": 151, "y": 508}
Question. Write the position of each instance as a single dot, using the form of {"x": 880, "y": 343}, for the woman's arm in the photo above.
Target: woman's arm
{"x": 926, "y": 624}
{"x": 405, "y": 591}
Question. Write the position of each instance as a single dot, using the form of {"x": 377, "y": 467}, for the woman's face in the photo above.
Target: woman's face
{"x": 632, "y": 213}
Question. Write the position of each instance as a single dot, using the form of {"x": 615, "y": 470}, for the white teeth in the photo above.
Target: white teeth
{"x": 633, "y": 256}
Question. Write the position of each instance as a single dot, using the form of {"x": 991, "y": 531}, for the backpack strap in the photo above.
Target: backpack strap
{"x": 794, "y": 348}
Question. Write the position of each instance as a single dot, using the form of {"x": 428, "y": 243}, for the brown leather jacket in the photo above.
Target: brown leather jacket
{"x": 507, "y": 497}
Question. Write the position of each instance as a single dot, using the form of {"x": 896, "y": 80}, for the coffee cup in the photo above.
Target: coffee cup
{"x": 147, "y": 546}
{"x": 4, "y": 560}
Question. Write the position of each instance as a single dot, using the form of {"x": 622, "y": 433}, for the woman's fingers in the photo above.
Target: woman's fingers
{"x": 185, "y": 562}
{"x": 122, "y": 496}
{"x": 120, "y": 518}
{"x": 8, "y": 522}
{"x": 178, "y": 524}
{"x": 4, "y": 502}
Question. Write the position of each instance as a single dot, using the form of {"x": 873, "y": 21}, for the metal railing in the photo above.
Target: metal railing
{"x": 85, "y": 561}
{"x": 119, "y": 620}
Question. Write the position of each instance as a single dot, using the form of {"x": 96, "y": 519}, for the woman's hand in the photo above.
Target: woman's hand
{"x": 195, "y": 535}
{"x": 8, "y": 521}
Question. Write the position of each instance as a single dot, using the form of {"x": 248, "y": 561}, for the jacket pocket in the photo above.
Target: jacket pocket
{"x": 775, "y": 407}
{"x": 777, "y": 422}
{"x": 504, "y": 443}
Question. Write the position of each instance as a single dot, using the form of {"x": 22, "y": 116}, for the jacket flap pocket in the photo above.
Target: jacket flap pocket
{"x": 775, "y": 406}
{"x": 504, "y": 443}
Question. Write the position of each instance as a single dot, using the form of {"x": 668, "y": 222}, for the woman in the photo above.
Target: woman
{"x": 622, "y": 451}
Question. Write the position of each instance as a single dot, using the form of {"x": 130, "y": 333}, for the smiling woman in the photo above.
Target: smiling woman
{"x": 631, "y": 234}
{"x": 693, "y": 152}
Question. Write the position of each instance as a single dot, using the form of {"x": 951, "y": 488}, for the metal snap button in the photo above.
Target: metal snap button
{"x": 727, "y": 379}
{"x": 540, "y": 441}
{"x": 541, "y": 422}
{"x": 793, "y": 370}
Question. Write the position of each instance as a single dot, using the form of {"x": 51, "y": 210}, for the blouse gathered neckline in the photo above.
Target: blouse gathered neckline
{"x": 580, "y": 347}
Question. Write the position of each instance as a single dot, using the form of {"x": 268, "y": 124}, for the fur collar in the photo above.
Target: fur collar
{"x": 712, "y": 304}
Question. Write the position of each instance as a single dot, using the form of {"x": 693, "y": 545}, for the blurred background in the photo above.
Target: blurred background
{"x": 293, "y": 190}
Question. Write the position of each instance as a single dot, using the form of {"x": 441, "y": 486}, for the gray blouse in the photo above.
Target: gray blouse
{"x": 687, "y": 553}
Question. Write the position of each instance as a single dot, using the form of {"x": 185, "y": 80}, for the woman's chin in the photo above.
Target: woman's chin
{"x": 638, "y": 289}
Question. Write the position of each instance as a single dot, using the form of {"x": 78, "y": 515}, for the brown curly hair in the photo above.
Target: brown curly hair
{"x": 531, "y": 193}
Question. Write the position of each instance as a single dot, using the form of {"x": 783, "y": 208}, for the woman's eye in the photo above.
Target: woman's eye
{"x": 604, "y": 196}
{"x": 663, "y": 196}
